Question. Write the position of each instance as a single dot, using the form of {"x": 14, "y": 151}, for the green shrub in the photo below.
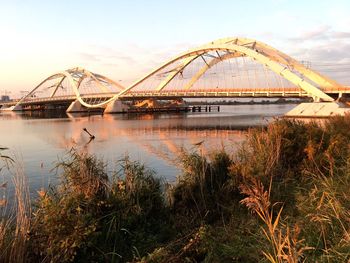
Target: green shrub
{"x": 67, "y": 216}
{"x": 88, "y": 217}
{"x": 201, "y": 193}
{"x": 305, "y": 166}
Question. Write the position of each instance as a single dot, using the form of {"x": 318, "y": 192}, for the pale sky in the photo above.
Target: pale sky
{"x": 124, "y": 40}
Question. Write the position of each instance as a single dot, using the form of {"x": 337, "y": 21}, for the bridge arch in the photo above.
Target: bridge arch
{"x": 311, "y": 82}
{"x": 74, "y": 78}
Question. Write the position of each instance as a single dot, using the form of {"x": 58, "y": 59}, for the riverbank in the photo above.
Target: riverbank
{"x": 282, "y": 197}
{"x": 250, "y": 102}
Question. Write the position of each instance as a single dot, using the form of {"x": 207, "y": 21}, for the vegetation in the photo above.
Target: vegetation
{"x": 283, "y": 197}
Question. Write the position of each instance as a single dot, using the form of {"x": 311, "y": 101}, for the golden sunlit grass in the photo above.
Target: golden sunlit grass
{"x": 284, "y": 243}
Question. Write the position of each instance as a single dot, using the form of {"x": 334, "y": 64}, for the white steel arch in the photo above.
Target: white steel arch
{"x": 75, "y": 77}
{"x": 311, "y": 82}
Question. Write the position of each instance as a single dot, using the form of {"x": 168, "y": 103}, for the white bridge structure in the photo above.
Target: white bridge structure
{"x": 225, "y": 68}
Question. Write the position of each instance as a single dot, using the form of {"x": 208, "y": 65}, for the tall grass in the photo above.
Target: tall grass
{"x": 91, "y": 217}
{"x": 283, "y": 197}
{"x": 15, "y": 221}
{"x": 309, "y": 177}
{"x": 200, "y": 194}
{"x": 284, "y": 243}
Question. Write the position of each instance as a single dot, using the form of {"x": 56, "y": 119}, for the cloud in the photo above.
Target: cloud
{"x": 322, "y": 33}
{"x": 332, "y": 51}
{"x": 340, "y": 35}
{"x": 127, "y": 62}
{"x": 103, "y": 57}
{"x": 331, "y": 59}
{"x": 89, "y": 57}
{"x": 317, "y": 33}
{"x": 321, "y": 44}
{"x": 120, "y": 57}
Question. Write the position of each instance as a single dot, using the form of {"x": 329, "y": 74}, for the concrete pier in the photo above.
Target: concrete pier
{"x": 12, "y": 108}
{"x": 116, "y": 106}
{"x": 319, "y": 110}
{"x": 76, "y": 107}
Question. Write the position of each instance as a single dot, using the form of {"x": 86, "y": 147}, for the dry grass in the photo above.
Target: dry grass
{"x": 22, "y": 216}
{"x": 15, "y": 220}
{"x": 284, "y": 243}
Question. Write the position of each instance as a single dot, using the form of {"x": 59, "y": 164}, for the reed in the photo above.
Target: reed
{"x": 15, "y": 220}
{"x": 200, "y": 194}
{"x": 22, "y": 216}
{"x": 284, "y": 243}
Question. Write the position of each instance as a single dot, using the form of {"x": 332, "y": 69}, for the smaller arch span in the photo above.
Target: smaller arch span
{"x": 78, "y": 83}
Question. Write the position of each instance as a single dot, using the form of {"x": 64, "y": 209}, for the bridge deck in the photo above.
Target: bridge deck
{"x": 173, "y": 94}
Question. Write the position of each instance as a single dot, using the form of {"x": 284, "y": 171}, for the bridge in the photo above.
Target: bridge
{"x": 225, "y": 68}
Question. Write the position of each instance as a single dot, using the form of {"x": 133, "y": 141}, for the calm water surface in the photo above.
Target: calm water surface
{"x": 38, "y": 141}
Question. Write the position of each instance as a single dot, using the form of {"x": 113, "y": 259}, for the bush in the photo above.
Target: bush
{"x": 307, "y": 177}
{"x": 91, "y": 218}
{"x": 202, "y": 190}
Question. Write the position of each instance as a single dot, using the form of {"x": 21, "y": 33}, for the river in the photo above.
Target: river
{"x": 38, "y": 141}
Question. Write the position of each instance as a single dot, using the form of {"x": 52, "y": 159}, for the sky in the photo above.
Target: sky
{"x": 124, "y": 40}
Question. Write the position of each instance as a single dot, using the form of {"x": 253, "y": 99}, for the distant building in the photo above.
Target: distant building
{"x": 5, "y": 98}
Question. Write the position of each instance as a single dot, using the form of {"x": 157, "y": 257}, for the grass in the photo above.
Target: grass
{"x": 14, "y": 222}
{"x": 283, "y": 197}
{"x": 90, "y": 217}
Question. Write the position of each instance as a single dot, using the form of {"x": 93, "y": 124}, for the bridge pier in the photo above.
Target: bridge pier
{"x": 76, "y": 106}
{"x": 319, "y": 110}
{"x": 116, "y": 106}
{"x": 13, "y": 108}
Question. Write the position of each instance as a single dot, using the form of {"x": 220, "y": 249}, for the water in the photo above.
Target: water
{"x": 39, "y": 140}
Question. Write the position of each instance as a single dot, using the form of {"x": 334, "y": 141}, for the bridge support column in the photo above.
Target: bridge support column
{"x": 13, "y": 108}
{"x": 316, "y": 99}
{"x": 116, "y": 106}
{"x": 49, "y": 107}
{"x": 76, "y": 107}
{"x": 17, "y": 108}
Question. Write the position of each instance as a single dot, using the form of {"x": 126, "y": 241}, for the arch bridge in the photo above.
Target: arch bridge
{"x": 63, "y": 88}
{"x": 229, "y": 67}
